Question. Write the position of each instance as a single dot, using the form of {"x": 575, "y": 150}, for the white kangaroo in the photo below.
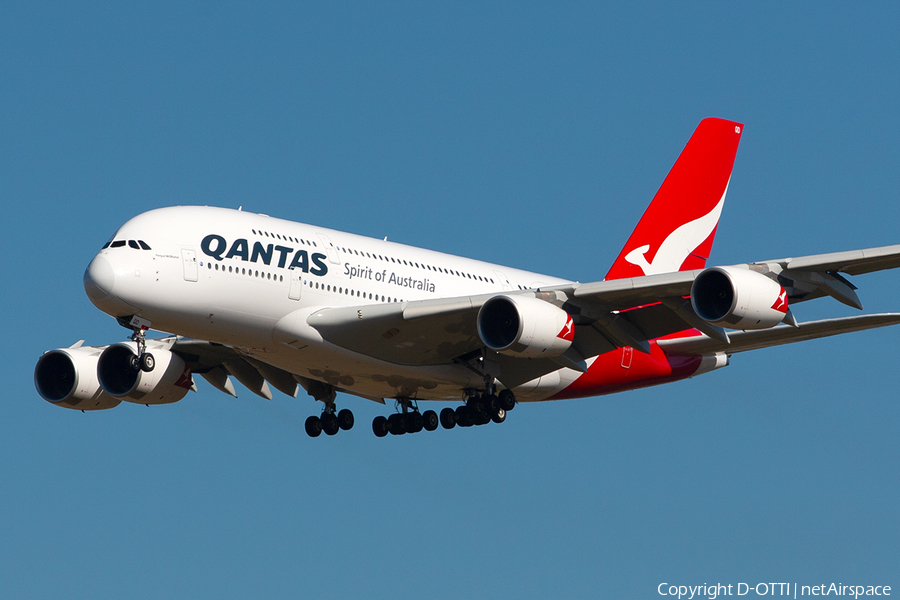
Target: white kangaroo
{"x": 675, "y": 249}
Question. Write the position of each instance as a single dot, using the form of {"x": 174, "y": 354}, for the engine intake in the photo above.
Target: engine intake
{"x": 523, "y": 326}
{"x": 168, "y": 382}
{"x": 67, "y": 377}
{"x": 738, "y": 298}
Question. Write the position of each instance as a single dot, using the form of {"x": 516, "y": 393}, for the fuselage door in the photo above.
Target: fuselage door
{"x": 502, "y": 280}
{"x": 189, "y": 260}
{"x": 330, "y": 250}
{"x": 627, "y": 355}
{"x": 296, "y": 284}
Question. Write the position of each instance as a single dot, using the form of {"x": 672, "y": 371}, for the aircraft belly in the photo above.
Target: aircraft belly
{"x": 369, "y": 377}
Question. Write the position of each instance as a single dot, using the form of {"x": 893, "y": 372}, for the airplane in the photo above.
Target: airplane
{"x": 272, "y": 302}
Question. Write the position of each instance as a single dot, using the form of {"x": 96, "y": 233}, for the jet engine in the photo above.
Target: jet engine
{"x": 738, "y": 298}
{"x": 169, "y": 381}
{"x": 67, "y": 377}
{"x": 523, "y": 326}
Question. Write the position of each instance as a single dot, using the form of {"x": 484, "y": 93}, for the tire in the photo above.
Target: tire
{"x": 313, "y": 426}
{"x": 491, "y": 404}
{"x": 414, "y": 422}
{"x": 463, "y": 416}
{"x": 507, "y": 400}
{"x": 148, "y": 363}
{"x": 448, "y": 418}
{"x": 345, "y": 420}
{"x": 482, "y": 418}
{"x": 431, "y": 420}
{"x": 499, "y": 416}
{"x": 476, "y": 405}
{"x": 330, "y": 424}
{"x": 395, "y": 424}
{"x": 380, "y": 426}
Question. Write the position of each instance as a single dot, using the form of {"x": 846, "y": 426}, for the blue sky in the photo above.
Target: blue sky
{"x": 524, "y": 134}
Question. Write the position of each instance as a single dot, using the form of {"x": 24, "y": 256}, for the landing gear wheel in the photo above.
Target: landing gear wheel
{"x": 414, "y": 422}
{"x": 431, "y": 420}
{"x": 396, "y": 424}
{"x": 507, "y": 400}
{"x": 380, "y": 426}
{"x": 329, "y": 424}
{"x": 313, "y": 426}
{"x": 148, "y": 363}
{"x": 345, "y": 419}
{"x": 499, "y": 416}
{"x": 463, "y": 416}
{"x": 448, "y": 418}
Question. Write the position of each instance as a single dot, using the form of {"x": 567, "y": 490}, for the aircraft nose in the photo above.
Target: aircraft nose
{"x": 99, "y": 278}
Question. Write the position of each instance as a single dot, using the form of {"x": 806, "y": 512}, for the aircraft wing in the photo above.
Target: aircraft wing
{"x": 607, "y": 314}
{"x": 215, "y": 363}
{"x": 853, "y": 262}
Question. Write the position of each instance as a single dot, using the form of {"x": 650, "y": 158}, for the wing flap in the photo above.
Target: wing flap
{"x": 741, "y": 341}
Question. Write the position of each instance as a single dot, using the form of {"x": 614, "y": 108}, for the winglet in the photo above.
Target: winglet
{"x": 677, "y": 230}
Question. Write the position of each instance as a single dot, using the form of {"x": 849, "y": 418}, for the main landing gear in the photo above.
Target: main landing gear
{"x": 479, "y": 409}
{"x": 331, "y": 420}
{"x": 408, "y": 420}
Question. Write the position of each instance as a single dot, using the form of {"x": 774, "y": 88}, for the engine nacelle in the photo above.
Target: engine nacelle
{"x": 67, "y": 377}
{"x": 522, "y": 326}
{"x": 738, "y": 298}
{"x": 169, "y": 381}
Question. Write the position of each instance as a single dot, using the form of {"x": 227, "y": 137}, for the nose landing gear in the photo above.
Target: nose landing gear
{"x": 143, "y": 360}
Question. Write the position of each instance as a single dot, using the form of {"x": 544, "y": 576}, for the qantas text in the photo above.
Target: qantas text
{"x": 215, "y": 246}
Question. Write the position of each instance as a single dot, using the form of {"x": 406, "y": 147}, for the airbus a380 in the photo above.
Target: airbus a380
{"x": 277, "y": 303}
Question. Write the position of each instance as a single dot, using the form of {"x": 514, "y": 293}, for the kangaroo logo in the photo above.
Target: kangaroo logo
{"x": 781, "y": 304}
{"x": 568, "y": 330}
{"x": 674, "y": 250}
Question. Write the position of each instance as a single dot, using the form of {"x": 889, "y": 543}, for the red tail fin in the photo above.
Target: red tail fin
{"x": 677, "y": 230}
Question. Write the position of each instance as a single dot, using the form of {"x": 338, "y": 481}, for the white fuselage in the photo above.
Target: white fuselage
{"x": 250, "y": 281}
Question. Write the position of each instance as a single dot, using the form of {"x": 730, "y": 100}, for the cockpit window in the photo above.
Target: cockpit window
{"x": 117, "y": 244}
{"x": 106, "y": 245}
{"x": 133, "y": 244}
{"x": 143, "y": 244}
